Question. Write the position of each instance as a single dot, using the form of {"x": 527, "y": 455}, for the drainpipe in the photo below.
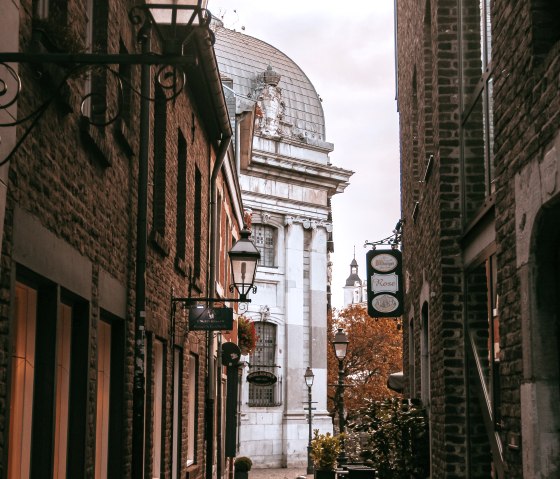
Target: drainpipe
{"x": 139, "y": 392}
{"x": 210, "y": 391}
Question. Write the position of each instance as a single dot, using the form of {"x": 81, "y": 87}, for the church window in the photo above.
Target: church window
{"x": 264, "y": 237}
{"x": 263, "y": 359}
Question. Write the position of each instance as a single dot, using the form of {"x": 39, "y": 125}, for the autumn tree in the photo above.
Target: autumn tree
{"x": 374, "y": 352}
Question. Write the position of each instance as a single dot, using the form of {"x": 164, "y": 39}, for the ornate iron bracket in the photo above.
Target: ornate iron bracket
{"x": 169, "y": 74}
{"x": 393, "y": 240}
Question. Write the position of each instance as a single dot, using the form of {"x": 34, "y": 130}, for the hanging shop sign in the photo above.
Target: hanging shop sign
{"x": 384, "y": 283}
{"x": 262, "y": 378}
{"x": 230, "y": 354}
{"x": 203, "y": 318}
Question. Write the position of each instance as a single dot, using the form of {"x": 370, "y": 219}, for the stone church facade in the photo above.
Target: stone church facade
{"x": 287, "y": 186}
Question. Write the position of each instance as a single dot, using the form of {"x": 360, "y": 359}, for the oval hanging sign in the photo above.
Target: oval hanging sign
{"x": 261, "y": 378}
{"x": 385, "y": 303}
{"x": 384, "y": 262}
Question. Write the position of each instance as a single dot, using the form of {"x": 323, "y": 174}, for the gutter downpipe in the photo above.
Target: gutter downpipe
{"x": 139, "y": 391}
{"x": 211, "y": 363}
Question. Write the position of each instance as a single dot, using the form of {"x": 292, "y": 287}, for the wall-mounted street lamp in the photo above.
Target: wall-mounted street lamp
{"x": 309, "y": 377}
{"x": 244, "y": 257}
{"x": 340, "y": 345}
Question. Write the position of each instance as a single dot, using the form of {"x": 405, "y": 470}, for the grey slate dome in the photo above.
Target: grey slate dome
{"x": 250, "y": 62}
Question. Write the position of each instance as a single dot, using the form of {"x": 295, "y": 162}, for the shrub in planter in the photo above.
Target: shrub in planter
{"x": 325, "y": 449}
{"x": 242, "y": 466}
{"x": 397, "y": 443}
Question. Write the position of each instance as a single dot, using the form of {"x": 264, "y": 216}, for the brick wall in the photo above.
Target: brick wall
{"x": 79, "y": 184}
{"x": 525, "y": 52}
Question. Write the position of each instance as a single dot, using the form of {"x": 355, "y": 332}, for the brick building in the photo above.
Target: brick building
{"x": 71, "y": 289}
{"x": 479, "y": 98}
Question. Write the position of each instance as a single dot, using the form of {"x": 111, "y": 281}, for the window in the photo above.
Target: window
{"x": 192, "y": 423}
{"x": 197, "y": 226}
{"x": 177, "y": 416}
{"x": 49, "y": 382}
{"x": 108, "y": 431}
{"x": 103, "y": 398}
{"x": 477, "y": 132}
{"x": 425, "y": 358}
{"x": 263, "y": 358}
{"x": 23, "y": 372}
{"x": 546, "y": 26}
{"x": 411, "y": 360}
{"x": 483, "y": 366}
{"x": 264, "y": 239}
{"x": 125, "y": 72}
{"x": 157, "y": 408}
{"x": 96, "y": 40}
{"x": 181, "y": 224}
{"x": 160, "y": 163}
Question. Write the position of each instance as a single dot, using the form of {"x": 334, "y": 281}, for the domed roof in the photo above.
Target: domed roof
{"x": 250, "y": 63}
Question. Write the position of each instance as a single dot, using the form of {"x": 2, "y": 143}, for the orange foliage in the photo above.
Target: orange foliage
{"x": 374, "y": 352}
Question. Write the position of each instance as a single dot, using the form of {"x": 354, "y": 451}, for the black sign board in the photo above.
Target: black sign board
{"x": 202, "y": 318}
{"x": 384, "y": 283}
{"x": 261, "y": 378}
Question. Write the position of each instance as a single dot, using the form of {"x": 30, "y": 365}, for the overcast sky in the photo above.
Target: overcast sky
{"x": 348, "y": 54}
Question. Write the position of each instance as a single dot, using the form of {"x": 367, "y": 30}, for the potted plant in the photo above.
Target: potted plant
{"x": 242, "y": 467}
{"x": 246, "y": 335}
{"x": 325, "y": 449}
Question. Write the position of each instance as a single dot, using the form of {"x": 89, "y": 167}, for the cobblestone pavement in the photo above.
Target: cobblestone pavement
{"x": 291, "y": 473}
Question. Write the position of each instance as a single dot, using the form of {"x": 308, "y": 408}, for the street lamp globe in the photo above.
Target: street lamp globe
{"x": 340, "y": 344}
{"x": 309, "y": 377}
{"x": 244, "y": 257}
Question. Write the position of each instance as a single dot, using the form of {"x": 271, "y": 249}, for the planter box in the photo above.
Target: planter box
{"x": 325, "y": 474}
{"x": 241, "y": 475}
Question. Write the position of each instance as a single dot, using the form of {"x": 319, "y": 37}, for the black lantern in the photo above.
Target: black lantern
{"x": 340, "y": 344}
{"x": 244, "y": 257}
{"x": 309, "y": 376}
{"x": 174, "y": 18}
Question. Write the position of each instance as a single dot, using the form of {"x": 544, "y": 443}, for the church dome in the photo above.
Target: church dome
{"x": 251, "y": 63}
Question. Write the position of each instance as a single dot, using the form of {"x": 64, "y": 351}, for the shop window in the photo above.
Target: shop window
{"x": 483, "y": 367}
{"x": 264, "y": 237}
{"x": 23, "y": 372}
{"x": 157, "y": 407}
{"x": 177, "y": 413}
{"x": 49, "y": 382}
{"x": 192, "y": 412}
{"x": 108, "y": 431}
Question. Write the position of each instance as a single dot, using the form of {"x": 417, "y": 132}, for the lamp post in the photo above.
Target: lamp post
{"x": 244, "y": 257}
{"x": 309, "y": 376}
{"x": 340, "y": 344}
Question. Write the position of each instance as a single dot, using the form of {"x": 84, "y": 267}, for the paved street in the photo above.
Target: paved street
{"x": 285, "y": 473}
